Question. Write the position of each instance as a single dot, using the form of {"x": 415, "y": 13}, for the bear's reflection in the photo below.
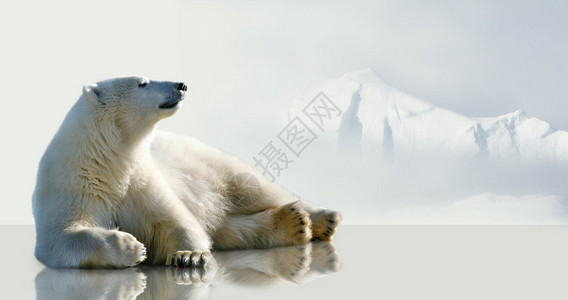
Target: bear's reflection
{"x": 255, "y": 267}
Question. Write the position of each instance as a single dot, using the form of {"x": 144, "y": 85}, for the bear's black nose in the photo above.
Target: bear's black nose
{"x": 182, "y": 87}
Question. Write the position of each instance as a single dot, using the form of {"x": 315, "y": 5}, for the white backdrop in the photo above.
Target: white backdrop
{"x": 244, "y": 62}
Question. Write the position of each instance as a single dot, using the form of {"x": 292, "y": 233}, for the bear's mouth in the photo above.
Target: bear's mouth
{"x": 169, "y": 104}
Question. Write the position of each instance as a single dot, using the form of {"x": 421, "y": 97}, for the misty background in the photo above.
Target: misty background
{"x": 245, "y": 62}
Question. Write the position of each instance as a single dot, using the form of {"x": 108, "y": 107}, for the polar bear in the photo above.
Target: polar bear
{"x": 112, "y": 191}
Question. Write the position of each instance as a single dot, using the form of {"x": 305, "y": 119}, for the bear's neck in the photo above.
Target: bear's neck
{"x": 109, "y": 158}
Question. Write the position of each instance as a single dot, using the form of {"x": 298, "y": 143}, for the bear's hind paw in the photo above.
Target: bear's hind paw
{"x": 324, "y": 223}
{"x": 295, "y": 221}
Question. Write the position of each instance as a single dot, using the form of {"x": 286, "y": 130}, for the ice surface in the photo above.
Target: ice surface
{"x": 377, "y": 262}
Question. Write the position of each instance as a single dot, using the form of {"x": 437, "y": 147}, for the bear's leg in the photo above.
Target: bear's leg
{"x": 173, "y": 235}
{"x": 253, "y": 193}
{"x": 182, "y": 243}
{"x": 90, "y": 247}
{"x": 285, "y": 225}
{"x": 170, "y": 231}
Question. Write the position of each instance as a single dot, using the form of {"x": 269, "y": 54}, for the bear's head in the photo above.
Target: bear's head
{"x": 133, "y": 103}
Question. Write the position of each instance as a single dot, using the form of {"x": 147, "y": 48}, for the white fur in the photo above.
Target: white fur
{"x": 109, "y": 185}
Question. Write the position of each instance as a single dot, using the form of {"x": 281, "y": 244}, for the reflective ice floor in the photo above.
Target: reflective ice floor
{"x": 364, "y": 262}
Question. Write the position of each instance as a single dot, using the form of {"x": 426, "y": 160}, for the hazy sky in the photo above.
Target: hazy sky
{"x": 245, "y": 61}
{"x": 479, "y": 58}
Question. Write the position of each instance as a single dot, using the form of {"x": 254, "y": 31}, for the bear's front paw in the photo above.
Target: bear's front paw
{"x": 193, "y": 259}
{"x": 125, "y": 250}
{"x": 295, "y": 221}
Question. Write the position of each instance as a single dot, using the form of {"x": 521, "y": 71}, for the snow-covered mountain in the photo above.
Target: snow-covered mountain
{"x": 377, "y": 119}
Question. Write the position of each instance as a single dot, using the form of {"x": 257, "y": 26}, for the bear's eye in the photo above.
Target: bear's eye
{"x": 142, "y": 84}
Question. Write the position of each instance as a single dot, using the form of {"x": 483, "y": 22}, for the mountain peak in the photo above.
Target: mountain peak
{"x": 367, "y": 75}
{"x": 516, "y": 115}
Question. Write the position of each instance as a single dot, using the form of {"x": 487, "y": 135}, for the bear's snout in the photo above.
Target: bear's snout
{"x": 182, "y": 87}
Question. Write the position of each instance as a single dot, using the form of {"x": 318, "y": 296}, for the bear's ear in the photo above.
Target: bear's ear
{"x": 91, "y": 92}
